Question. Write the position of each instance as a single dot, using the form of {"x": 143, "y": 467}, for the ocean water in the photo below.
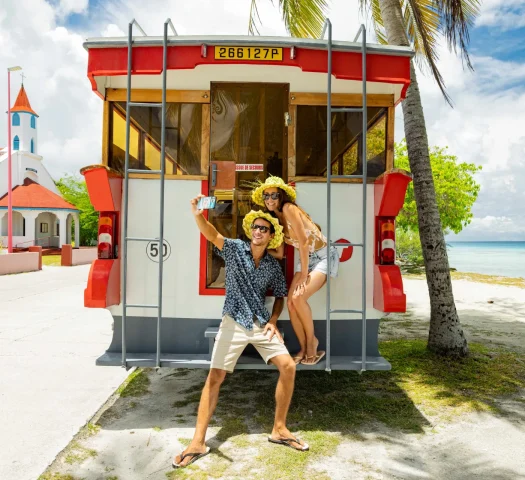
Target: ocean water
{"x": 492, "y": 258}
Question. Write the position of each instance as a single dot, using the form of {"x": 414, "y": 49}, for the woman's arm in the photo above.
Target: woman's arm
{"x": 293, "y": 215}
{"x": 278, "y": 252}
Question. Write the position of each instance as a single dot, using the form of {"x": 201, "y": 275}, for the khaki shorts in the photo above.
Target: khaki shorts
{"x": 232, "y": 339}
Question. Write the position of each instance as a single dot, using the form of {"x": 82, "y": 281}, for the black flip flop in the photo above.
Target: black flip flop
{"x": 194, "y": 458}
{"x": 288, "y": 443}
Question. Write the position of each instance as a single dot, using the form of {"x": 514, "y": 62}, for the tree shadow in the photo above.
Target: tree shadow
{"x": 405, "y": 403}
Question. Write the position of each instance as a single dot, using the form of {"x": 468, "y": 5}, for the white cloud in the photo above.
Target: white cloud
{"x": 113, "y": 30}
{"x": 67, "y": 7}
{"x": 483, "y": 128}
{"x": 503, "y": 14}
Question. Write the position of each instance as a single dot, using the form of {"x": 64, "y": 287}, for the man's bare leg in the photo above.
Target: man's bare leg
{"x": 207, "y": 405}
{"x": 283, "y": 397}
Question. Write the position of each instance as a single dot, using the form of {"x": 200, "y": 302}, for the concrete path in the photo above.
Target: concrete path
{"x": 49, "y": 384}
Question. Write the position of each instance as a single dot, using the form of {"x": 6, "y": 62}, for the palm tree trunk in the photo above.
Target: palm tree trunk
{"x": 446, "y": 334}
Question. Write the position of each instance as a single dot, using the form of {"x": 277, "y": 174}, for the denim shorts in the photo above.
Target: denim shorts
{"x": 318, "y": 261}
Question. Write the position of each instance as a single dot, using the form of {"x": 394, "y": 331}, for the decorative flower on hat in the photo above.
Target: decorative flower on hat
{"x": 271, "y": 181}
{"x": 254, "y": 215}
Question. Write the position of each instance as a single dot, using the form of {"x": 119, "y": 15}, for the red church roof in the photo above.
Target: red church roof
{"x": 34, "y": 195}
{"x": 22, "y": 103}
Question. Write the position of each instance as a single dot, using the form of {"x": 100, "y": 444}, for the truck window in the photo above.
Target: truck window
{"x": 183, "y": 138}
{"x": 346, "y": 142}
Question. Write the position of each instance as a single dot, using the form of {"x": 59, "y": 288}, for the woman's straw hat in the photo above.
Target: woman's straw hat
{"x": 271, "y": 181}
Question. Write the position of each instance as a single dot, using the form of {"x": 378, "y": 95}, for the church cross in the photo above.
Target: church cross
{"x": 23, "y": 76}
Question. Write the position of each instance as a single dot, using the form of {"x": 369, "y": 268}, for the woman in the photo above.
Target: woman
{"x": 312, "y": 266}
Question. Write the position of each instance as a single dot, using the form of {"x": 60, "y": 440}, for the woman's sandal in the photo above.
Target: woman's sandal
{"x": 317, "y": 358}
{"x": 298, "y": 359}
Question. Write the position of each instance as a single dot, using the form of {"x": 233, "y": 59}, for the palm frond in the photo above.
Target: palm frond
{"x": 372, "y": 7}
{"x": 457, "y": 17}
{"x": 254, "y": 19}
{"x": 304, "y": 18}
{"x": 421, "y": 18}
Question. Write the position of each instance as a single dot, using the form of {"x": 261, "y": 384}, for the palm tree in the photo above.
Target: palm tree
{"x": 416, "y": 22}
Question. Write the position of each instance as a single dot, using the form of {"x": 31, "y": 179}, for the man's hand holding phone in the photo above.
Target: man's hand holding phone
{"x": 194, "y": 205}
{"x": 201, "y": 203}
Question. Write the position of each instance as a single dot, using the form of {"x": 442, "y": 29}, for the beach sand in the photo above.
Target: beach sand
{"x": 490, "y": 313}
{"x": 139, "y": 435}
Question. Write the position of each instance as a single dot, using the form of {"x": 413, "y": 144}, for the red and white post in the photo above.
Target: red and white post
{"x": 9, "y": 165}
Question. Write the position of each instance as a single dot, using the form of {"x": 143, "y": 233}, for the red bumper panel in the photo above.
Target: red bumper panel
{"x": 103, "y": 288}
{"x": 388, "y": 289}
{"x": 389, "y": 196}
{"x": 104, "y": 186}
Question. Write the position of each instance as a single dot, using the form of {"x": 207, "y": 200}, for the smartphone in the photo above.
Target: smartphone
{"x": 206, "y": 203}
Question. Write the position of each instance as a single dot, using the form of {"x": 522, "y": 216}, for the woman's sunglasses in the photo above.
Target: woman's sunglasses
{"x": 273, "y": 196}
{"x": 262, "y": 228}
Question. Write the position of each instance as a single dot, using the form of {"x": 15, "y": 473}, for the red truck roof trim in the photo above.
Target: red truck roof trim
{"x": 346, "y": 65}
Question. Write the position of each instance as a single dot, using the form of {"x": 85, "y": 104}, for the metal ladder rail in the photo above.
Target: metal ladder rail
{"x": 363, "y": 177}
{"x": 162, "y": 170}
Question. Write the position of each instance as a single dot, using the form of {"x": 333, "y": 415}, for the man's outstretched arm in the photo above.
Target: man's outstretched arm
{"x": 207, "y": 229}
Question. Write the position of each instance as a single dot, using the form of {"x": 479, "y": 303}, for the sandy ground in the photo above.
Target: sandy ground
{"x": 490, "y": 314}
{"x": 49, "y": 383}
{"x": 138, "y": 436}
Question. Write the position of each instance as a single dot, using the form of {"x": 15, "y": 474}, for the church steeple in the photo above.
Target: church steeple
{"x": 22, "y": 102}
{"x": 23, "y": 123}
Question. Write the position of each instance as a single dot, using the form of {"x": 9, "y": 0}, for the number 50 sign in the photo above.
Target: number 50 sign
{"x": 153, "y": 250}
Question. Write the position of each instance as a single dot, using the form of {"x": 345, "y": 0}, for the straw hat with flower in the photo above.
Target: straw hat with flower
{"x": 271, "y": 181}
{"x": 252, "y": 216}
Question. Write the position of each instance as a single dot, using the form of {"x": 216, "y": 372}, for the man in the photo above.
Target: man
{"x": 250, "y": 272}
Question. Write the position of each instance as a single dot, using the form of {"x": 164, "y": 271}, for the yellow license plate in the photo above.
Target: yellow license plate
{"x": 249, "y": 53}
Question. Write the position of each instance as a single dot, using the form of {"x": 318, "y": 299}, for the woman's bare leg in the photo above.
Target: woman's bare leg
{"x": 300, "y": 302}
{"x": 297, "y": 325}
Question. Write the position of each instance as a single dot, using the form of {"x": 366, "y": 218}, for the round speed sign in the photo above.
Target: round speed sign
{"x": 153, "y": 250}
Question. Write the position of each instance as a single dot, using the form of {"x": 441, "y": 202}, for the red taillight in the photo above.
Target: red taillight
{"x": 107, "y": 241}
{"x": 387, "y": 232}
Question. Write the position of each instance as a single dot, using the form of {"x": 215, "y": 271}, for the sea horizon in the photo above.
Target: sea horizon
{"x": 490, "y": 257}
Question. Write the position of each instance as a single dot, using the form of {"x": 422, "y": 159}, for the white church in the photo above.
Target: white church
{"x": 40, "y": 215}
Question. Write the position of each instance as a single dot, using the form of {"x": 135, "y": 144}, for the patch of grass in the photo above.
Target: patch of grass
{"x": 193, "y": 398}
{"x": 184, "y": 441}
{"x": 193, "y": 389}
{"x": 477, "y": 277}
{"x": 52, "y": 260}
{"x": 114, "y": 477}
{"x": 135, "y": 385}
{"x": 241, "y": 441}
{"x": 92, "y": 429}
{"x": 182, "y": 372}
{"x": 293, "y": 465}
{"x": 194, "y": 472}
{"x": 231, "y": 426}
{"x": 470, "y": 384}
{"x": 157, "y": 429}
{"x": 77, "y": 453}
{"x": 132, "y": 404}
{"x": 57, "y": 476}
{"x": 492, "y": 279}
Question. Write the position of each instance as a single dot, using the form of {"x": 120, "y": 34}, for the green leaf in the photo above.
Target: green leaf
{"x": 74, "y": 190}
{"x": 456, "y": 189}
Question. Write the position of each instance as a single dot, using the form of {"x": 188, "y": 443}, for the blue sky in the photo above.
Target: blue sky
{"x": 485, "y": 127}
